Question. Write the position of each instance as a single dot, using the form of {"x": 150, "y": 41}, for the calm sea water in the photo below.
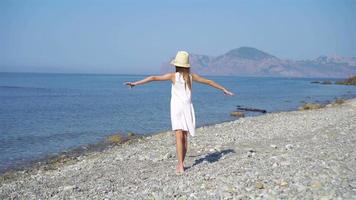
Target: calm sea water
{"x": 43, "y": 114}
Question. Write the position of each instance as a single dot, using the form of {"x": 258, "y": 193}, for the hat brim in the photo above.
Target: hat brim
{"x": 179, "y": 64}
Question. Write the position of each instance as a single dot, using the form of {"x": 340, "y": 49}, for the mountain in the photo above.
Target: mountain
{"x": 248, "y": 61}
{"x": 248, "y": 53}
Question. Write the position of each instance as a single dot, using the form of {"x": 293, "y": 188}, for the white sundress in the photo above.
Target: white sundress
{"x": 182, "y": 110}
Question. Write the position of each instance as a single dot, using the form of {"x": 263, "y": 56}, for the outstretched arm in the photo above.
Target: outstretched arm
{"x": 200, "y": 79}
{"x": 148, "y": 79}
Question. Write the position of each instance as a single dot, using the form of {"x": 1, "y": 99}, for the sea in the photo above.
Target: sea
{"x": 45, "y": 114}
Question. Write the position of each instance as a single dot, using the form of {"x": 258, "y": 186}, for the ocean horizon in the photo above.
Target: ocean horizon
{"x": 44, "y": 114}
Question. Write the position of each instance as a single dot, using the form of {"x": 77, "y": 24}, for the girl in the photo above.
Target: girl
{"x": 182, "y": 110}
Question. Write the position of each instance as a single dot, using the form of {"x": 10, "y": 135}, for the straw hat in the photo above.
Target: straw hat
{"x": 181, "y": 59}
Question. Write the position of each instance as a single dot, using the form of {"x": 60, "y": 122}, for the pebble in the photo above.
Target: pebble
{"x": 69, "y": 187}
{"x": 352, "y": 184}
{"x": 167, "y": 156}
{"x": 259, "y": 185}
{"x": 315, "y": 185}
{"x": 284, "y": 163}
{"x": 283, "y": 183}
{"x": 250, "y": 154}
{"x": 289, "y": 146}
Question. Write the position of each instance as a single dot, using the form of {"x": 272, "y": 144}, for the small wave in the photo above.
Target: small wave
{"x": 31, "y": 139}
{"x": 21, "y": 88}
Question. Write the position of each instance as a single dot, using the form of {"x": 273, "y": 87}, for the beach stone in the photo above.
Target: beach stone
{"x": 69, "y": 187}
{"x": 300, "y": 187}
{"x": 259, "y": 185}
{"x": 167, "y": 156}
{"x": 251, "y": 154}
{"x": 248, "y": 189}
{"x": 352, "y": 184}
{"x": 283, "y": 183}
{"x": 154, "y": 159}
{"x": 192, "y": 196}
{"x": 315, "y": 185}
{"x": 289, "y": 147}
{"x": 284, "y": 163}
{"x": 141, "y": 157}
{"x": 183, "y": 197}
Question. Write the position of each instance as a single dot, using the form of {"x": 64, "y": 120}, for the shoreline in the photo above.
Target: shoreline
{"x": 72, "y": 154}
{"x": 305, "y": 154}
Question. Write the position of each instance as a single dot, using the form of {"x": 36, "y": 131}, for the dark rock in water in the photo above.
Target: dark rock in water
{"x": 315, "y": 82}
{"x": 251, "y": 109}
{"x": 326, "y": 82}
{"x": 237, "y": 114}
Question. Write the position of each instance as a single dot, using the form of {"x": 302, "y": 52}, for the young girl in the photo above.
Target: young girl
{"x": 182, "y": 110}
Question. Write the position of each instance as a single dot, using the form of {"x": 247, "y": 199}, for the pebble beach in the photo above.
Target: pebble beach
{"x": 286, "y": 155}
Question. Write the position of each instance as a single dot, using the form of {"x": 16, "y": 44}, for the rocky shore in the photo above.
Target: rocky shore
{"x": 288, "y": 155}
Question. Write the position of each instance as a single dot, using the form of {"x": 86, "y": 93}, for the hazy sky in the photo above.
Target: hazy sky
{"x": 114, "y": 36}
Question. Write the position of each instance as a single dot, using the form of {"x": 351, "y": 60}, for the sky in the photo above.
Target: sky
{"x": 136, "y": 37}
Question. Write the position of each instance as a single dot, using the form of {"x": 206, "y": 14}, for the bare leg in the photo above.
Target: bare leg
{"x": 180, "y": 149}
{"x": 185, "y": 144}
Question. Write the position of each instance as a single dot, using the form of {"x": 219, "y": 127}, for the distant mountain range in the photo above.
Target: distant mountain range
{"x": 248, "y": 61}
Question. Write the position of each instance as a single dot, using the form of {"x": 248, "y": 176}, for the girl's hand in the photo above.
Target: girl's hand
{"x": 130, "y": 84}
{"x": 227, "y": 92}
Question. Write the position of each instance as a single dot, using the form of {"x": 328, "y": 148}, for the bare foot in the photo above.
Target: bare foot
{"x": 179, "y": 168}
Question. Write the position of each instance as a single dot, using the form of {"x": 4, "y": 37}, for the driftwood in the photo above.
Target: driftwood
{"x": 251, "y": 109}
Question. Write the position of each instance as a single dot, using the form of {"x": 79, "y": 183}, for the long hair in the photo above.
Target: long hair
{"x": 186, "y": 72}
